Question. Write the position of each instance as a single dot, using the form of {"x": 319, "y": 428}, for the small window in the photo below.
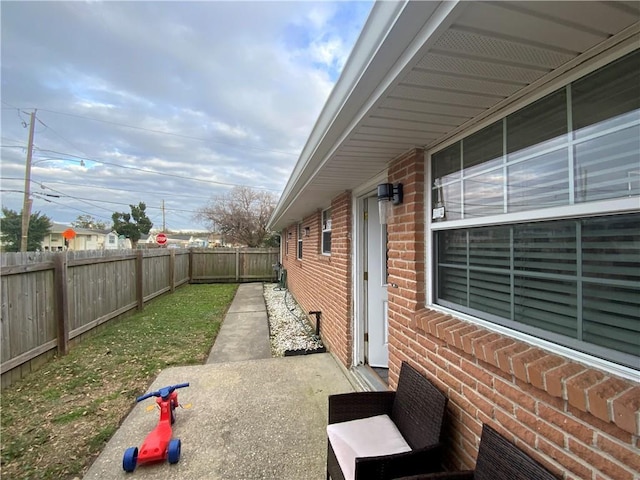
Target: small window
{"x": 326, "y": 232}
{"x": 300, "y": 241}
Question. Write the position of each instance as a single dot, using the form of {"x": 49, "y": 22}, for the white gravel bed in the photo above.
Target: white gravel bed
{"x": 288, "y": 324}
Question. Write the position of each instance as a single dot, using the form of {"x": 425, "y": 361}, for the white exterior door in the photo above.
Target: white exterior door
{"x": 377, "y": 325}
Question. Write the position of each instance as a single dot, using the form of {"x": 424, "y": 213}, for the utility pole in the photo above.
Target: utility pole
{"x": 26, "y": 205}
{"x": 164, "y": 225}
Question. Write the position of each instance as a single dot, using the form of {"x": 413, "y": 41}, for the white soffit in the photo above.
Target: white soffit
{"x": 436, "y": 67}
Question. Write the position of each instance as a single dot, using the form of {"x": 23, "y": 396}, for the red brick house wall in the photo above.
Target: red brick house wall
{"x": 323, "y": 282}
{"x": 580, "y": 422}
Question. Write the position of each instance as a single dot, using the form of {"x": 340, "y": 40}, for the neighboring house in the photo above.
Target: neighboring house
{"x": 109, "y": 240}
{"x": 178, "y": 240}
{"x": 510, "y": 271}
{"x": 85, "y": 239}
{"x": 215, "y": 240}
{"x": 149, "y": 241}
{"x": 197, "y": 242}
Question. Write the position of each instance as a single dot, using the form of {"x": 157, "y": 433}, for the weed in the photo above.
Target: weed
{"x": 102, "y": 437}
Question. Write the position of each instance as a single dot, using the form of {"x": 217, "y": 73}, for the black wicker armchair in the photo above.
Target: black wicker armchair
{"x": 416, "y": 411}
{"x": 498, "y": 459}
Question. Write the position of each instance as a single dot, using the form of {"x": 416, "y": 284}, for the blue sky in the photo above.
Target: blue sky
{"x": 153, "y": 101}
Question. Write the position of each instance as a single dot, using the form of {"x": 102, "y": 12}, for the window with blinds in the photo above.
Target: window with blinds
{"x": 572, "y": 276}
{"x": 577, "y": 278}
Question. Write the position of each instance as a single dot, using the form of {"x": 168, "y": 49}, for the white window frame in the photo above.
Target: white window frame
{"x": 299, "y": 243}
{"x": 326, "y": 228}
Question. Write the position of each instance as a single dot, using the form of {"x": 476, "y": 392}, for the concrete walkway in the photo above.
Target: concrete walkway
{"x": 245, "y": 331}
{"x": 248, "y": 416}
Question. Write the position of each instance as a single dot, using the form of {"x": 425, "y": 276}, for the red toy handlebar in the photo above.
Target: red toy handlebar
{"x": 162, "y": 393}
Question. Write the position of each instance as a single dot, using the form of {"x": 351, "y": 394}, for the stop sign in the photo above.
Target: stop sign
{"x": 161, "y": 239}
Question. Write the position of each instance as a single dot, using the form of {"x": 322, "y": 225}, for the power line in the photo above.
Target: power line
{"x": 88, "y": 201}
{"x": 79, "y": 210}
{"x": 48, "y": 198}
{"x": 155, "y": 192}
{"x": 162, "y": 132}
{"x": 151, "y": 171}
{"x": 88, "y": 158}
{"x": 139, "y": 169}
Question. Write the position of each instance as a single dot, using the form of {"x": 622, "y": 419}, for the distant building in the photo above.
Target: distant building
{"x": 109, "y": 240}
{"x": 85, "y": 238}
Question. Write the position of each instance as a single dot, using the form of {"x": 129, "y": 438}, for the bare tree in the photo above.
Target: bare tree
{"x": 241, "y": 215}
{"x": 87, "y": 221}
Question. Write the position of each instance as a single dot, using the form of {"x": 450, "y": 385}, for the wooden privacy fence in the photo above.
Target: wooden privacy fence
{"x": 50, "y": 298}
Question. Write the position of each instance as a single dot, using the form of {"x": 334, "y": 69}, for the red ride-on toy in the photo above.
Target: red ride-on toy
{"x": 158, "y": 445}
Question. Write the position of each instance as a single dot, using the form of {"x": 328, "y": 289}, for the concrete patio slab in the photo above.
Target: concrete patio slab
{"x": 256, "y": 419}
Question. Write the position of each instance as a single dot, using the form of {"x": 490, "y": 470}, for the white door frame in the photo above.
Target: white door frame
{"x": 367, "y": 189}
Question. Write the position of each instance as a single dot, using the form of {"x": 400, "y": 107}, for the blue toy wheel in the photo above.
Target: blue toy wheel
{"x": 130, "y": 459}
{"x": 173, "y": 452}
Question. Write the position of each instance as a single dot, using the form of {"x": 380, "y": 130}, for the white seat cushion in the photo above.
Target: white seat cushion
{"x": 366, "y": 437}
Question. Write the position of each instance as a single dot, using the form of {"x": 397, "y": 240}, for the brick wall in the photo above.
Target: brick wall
{"x": 323, "y": 282}
{"x": 579, "y": 422}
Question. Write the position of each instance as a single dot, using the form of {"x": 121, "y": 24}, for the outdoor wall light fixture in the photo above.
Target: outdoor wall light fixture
{"x": 306, "y": 231}
{"x": 388, "y": 195}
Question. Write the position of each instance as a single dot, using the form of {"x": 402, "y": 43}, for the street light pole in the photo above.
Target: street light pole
{"x": 26, "y": 205}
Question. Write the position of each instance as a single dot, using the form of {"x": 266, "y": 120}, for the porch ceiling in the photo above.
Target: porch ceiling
{"x": 422, "y": 71}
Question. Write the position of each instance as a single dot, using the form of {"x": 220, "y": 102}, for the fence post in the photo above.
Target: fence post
{"x": 172, "y": 270}
{"x": 140, "y": 279}
{"x": 62, "y": 305}
{"x": 237, "y": 264}
{"x": 191, "y": 265}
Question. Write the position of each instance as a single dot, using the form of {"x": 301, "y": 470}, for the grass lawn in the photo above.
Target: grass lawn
{"x": 56, "y": 420}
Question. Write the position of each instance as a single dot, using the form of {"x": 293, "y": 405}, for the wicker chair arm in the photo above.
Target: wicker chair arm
{"x": 387, "y": 467}
{"x": 464, "y": 475}
{"x": 353, "y": 406}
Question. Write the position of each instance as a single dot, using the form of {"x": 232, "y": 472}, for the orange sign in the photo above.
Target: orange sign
{"x": 69, "y": 234}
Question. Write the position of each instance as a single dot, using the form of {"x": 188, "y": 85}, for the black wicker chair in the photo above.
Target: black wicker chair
{"x": 416, "y": 408}
{"x": 498, "y": 459}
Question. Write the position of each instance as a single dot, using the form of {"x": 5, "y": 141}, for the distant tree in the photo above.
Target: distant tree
{"x": 133, "y": 230}
{"x": 271, "y": 240}
{"x": 240, "y": 215}
{"x": 11, "y": 230}
{"x": 87, "y": 221}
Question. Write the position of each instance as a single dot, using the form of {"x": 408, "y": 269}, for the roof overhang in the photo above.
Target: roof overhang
{"x": 421, "y": 72}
